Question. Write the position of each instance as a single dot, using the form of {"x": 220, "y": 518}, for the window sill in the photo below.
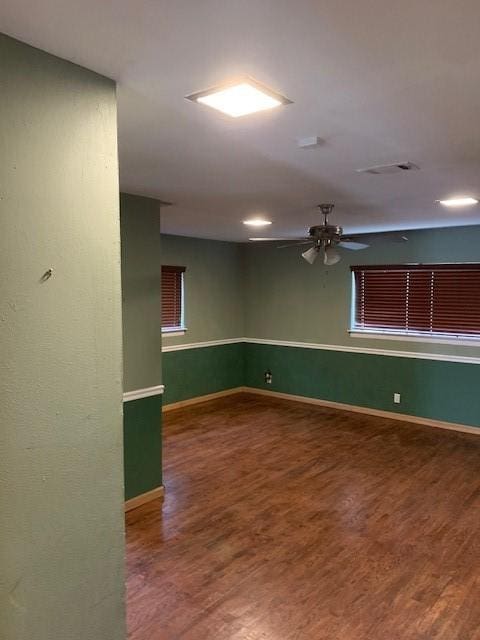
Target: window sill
{"x": 460, "y": 340}
{"x": 174, "y": 332}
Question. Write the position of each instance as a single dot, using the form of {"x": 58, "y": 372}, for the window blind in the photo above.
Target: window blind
{"x": 435, "y": 298}
{"x": 172, "y": 292}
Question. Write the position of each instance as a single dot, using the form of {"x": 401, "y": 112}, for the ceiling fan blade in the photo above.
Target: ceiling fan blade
{"x": 295, "y": 244}
{"x": 352, "y": 245}
{"x": 397, "y": 237}
{"x": 268, "y": 239}
{"x": 386, "y": 236}
{"x": 277, "y": 239}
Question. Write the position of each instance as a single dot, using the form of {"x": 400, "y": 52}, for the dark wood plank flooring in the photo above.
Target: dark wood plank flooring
{"x": 285, "y": 521}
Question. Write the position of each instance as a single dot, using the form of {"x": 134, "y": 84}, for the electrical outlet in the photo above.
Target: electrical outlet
{"x": 396, "y": 398}
{"x": 268, "y": 377}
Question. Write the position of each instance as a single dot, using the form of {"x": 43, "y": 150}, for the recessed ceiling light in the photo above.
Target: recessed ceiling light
{"x": 240, "y": 98}
{"x": 257, "y": 222}
{"x": 266, "y": 239}
{"x": 459, "y": 202}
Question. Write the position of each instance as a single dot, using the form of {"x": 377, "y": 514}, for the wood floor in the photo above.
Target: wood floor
{"x": 285, "y": 521}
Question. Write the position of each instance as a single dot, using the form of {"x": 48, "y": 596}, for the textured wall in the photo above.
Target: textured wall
{"x": 288, "y": 299}
{"x": 198, "y": 372}
{"x": 263, "y": 292}
{"x": 141, "y": 292}
{"x": 429, "y": 388}
{"x": 214, "y": 310}
{"x": 142, "y": 341}
{"x": 214, "y": 304}
{"x": 61, "y": 498}
{"x": 142, "y": 436}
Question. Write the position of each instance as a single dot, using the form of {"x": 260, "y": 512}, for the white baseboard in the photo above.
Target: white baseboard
{"x": 401, "y": 417}
{"x": 143, "y": 498}
{"x": 199, "y": 399}
{"x": 452, "y": 426}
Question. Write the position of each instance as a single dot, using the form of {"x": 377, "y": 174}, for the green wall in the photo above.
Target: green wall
{"x": 445, "y": 391}
{"x": 141, "y": 291}
{"x": 61, "y": 498}
{"x": 278, "y": 296}
{"x": 288, "y": 299}
{"x": 142, "y": 445}
{"x": 214, "y": 304}
{"x": 142, "y": 341}
{"x": 197, "y": 372}
{"x": 214, "y": 310}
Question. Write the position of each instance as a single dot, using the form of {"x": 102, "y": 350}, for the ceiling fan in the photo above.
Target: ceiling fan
{"x": 326, "y": 237}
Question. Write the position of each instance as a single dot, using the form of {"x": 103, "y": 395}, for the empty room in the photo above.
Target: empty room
{"x": 240, "y": 320}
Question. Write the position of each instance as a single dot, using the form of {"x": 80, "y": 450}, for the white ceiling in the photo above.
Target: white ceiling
{"x": 379, "y": 81}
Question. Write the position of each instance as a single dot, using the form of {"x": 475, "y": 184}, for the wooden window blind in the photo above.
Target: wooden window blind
{"x": 427, "y": 299}
{"x": 172, "y": 292}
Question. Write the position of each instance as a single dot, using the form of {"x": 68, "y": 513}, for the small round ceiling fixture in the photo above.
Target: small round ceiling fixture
{"x": 257, "y": 222}
{"x": 460, "y": 201}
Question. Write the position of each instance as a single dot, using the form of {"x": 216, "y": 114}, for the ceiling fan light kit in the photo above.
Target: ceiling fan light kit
{"x": 310, "y": 255}
{"x": 330, "y": 256}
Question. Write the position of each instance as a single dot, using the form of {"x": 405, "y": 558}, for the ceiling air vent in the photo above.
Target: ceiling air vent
{"x": 382, "y": 169}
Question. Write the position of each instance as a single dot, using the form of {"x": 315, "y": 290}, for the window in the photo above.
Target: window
{"x": 436, "y": 300}
{"x": 172, "y": 299}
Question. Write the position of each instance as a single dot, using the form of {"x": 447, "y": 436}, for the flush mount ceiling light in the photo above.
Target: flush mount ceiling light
{"x": 240, "y": 98}
{"x": 463, "y": 201}
{"x": 257, "y": 222}
{"x": 265, "y": 239}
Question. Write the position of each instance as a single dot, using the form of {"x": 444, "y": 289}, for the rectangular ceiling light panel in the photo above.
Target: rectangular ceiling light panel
{"x": 240, "y": 98}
